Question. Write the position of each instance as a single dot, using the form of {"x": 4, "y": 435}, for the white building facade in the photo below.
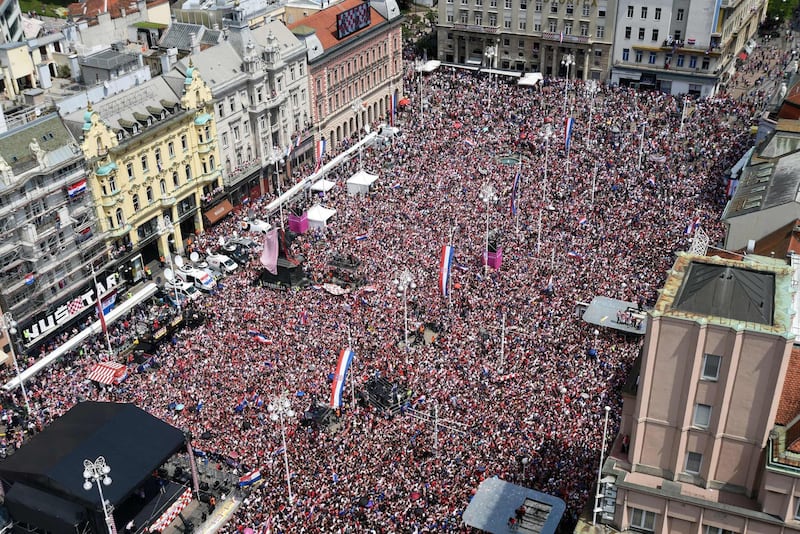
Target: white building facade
{"x": 682, "y": 46}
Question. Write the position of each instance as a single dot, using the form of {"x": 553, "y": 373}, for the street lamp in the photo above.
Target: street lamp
{"x": 277, "y": 159}
{"x": 599, "y": 495}
{"x": 567, "y": 61}
{"x": 357, "y": 106}
{"x": 95, "y": 472}
{"x": 488, "y": 195}
{"x": 405, "y": 281}
{"x": 9, "y": 326}
{"x": 166, "y": 228}
{"x": 279, "y": 408}
{"x": 547, "y": 134}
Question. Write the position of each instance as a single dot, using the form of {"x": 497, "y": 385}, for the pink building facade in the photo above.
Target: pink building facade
{"x": 702, "y": 445}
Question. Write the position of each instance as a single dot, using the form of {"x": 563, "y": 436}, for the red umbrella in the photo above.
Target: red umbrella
{"x": 404, "y": 102}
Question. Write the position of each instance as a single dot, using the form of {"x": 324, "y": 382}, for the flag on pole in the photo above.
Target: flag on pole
{"x": 445, "y": 263}
{"x": 393, "y": 104}
{"x": 320, "y": 153}
{"x": 250, "y": 478}
{"x": 514, "y": 189}
{"x": 337, "y": 389}
{"x": 269, "y": 254}
{"x": 568, "y": 132}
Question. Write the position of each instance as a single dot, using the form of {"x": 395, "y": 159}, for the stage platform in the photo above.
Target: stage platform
{"x": 156, "y": 505}
{"x": 616, "y": 314}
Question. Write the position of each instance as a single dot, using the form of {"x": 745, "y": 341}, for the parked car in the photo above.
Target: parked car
{"x": 221, "y": 263}
{"x": 185, "y": 289}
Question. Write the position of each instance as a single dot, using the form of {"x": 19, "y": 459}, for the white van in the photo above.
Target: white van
{"x": 184, "y": 289}
{"x": 221, "y": 263}
{"x": 197, "y": 277}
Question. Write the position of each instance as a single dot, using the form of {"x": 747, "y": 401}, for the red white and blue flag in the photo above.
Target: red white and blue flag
{"x": 583, "y": 220}
{"x": 568, "y": 132}
{"x": 342, "y": 366}
{"x": 250, "y": 478}
{"x": 574, "y": 255}
{"x": 77, "y": 188}
{"x": 693, "y": 225}
{"x": 514, "y": 190}
{"x": 445, "y": 264}
{"x": 320, "y": 152}
{"x": 258, "y": 336}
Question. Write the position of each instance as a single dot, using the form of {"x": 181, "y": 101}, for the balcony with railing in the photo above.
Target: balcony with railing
{"x": 116, "y": 233}
{"x": 210, "y": 176}
{"x": 244, "y": 169}
{"x": 167, "y": 201}
{"x": 689, "y": 45}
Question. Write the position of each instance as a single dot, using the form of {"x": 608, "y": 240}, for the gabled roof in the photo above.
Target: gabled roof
{"x": 49, "y": 131}
{"x": 324, "y": 23}
{"x": 128, "y": 107}
{"x": 179, "y": 35}
{"x": 219, "y": 64}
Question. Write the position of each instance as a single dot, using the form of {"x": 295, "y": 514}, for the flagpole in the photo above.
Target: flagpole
{"x": 519, "y": 192}
{"x": 594, "y": 184}
{"x": 450, "y": 274}
{"x": 352, "y": 366}
{"x": 100, "y": 312}
{"x": 539, "y": 235}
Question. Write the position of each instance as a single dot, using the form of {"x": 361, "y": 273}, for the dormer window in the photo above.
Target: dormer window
{"x": 135, "y": 129}
{"x": 149, "y": 122}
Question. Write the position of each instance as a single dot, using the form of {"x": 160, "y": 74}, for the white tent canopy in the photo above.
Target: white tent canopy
{"x": 429, "y": 66}
{"x": 323, "y": 185}
{"x": 359, "y": 183}
{"x": 318, "y": 216}
{"x": 531, "y": 78}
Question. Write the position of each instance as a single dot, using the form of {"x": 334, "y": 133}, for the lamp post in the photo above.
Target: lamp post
{"x": 547, "y": 134}
{"x": 275, "y": 159}
{"x": 591, "y": 90}
{"x": 9, "y": 326}
{"x": 488, "y": 195}
{"x": 94, "y": 473}
{"x": 404, "y": 281}
{"x": 567, "y": 61}
{"x": 357, "y": 106}
{"x": 166, "y": 228}
{"x": 279, "y": 408}
{"x": 599, "y": 495}
{"x": 642, "y": 125}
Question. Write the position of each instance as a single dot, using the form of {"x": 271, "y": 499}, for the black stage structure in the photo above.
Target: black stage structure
{"x": 43, "y": 481}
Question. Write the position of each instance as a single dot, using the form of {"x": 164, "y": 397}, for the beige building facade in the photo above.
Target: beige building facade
{"x": 557, "y": 38}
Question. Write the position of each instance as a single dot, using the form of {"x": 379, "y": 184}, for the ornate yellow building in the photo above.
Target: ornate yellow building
{"x": 152, "y": 153}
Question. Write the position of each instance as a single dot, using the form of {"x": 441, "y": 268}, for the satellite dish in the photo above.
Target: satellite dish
{"x": 194, "y": 256}
{"x": 168, "y": 274}
{"x": 179, "y": 261}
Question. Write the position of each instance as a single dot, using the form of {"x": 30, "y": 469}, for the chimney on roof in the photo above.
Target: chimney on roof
{"x": 194, "y": 43}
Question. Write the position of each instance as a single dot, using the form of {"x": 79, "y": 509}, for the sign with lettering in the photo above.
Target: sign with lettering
{"x": 46, "y": 324}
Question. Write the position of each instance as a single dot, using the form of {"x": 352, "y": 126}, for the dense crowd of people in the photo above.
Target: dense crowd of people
{"x": 603, "y": 218}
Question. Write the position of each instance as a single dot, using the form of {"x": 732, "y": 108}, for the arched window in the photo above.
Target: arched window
{"x": 212, "y": 163}
{"x": 175, "y": 180}
{"x": 149, "y": 195}
{"x": 163, "y": 184}
{"x": 120, "y": 217}
{"x": 136, "y": 202}
{"x": 188, "y": 170}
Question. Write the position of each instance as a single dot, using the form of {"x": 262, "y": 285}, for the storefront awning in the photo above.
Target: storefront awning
{"x": 108, "y": 373}
{"x": 218, "y": 212}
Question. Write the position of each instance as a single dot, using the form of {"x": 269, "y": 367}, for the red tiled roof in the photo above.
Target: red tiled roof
{"x": 90, "y": 9}
{"x": 324, "y": 23}
{"x": 790, "y": 109}
{"x": 789, "y": 404}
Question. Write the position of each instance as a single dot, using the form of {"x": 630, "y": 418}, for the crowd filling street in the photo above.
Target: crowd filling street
{"x": 602, "y": 218}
